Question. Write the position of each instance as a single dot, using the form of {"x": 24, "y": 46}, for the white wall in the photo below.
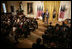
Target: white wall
{"x": 35, "y": 4}
{"x": 12, "y": 3}
{"x": 24, "y": 7}
{"x": 68, "y": 7}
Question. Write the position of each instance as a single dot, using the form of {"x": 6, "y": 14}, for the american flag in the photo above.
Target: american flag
{"x": 39, "y": 11}
{"x": 62, "y": 13}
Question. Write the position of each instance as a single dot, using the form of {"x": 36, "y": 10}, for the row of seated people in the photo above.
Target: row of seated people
{"x": 25, "y": 26}
{"x": 58, "y": 36}
{"x": 5, "y": 30}
{"x": 22, "y": 24}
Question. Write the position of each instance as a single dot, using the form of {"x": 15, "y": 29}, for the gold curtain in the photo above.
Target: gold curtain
{"x": 50, "y": 5}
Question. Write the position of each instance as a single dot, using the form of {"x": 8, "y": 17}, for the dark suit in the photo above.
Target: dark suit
{"x": 47, "y": 16}
{"x": 43, "y": 17}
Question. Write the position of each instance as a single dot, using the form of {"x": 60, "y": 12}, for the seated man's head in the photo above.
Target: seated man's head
{"x": 63, "y": 23}
{"x": 57, "y": 24}
{"x": 50, "y": 23}
{"x": 38, "y": 41}
{"x": 53, "y": 44}
{"x": 46, "y": 32}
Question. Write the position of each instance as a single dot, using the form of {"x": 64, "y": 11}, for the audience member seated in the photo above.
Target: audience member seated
{"x": 50, "y": 27}
{"x": 37, "y": 44}
{"x": 58, "y": 35}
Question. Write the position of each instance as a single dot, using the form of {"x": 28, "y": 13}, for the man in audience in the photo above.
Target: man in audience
{"x": 37, "y": 44}
{"x": 44, "y": 36}
{"x": 50, "y": 27}
{"x": 35, "y": 23}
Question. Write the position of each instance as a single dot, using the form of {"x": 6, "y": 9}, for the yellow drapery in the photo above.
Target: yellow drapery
{"x": 50, "y": 5}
